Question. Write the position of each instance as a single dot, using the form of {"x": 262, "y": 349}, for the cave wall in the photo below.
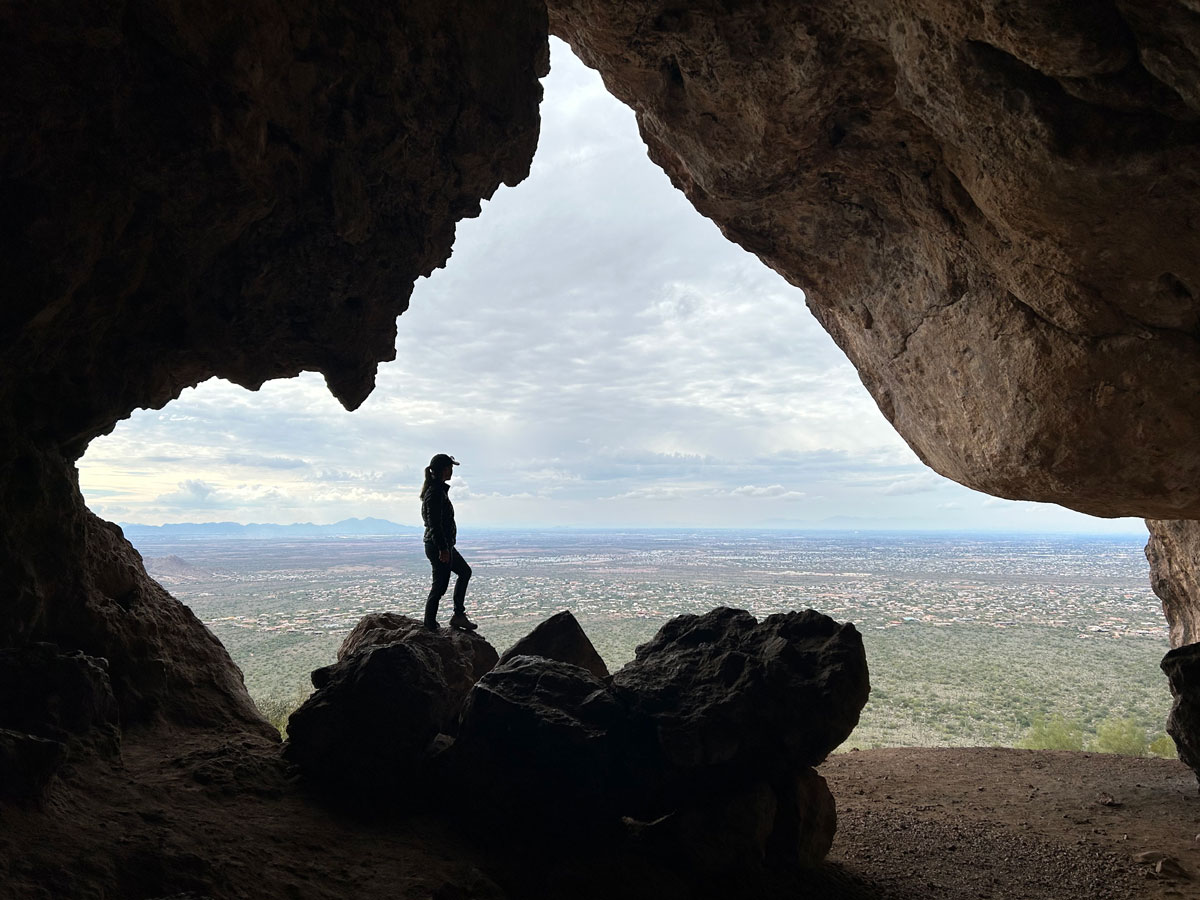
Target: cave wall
{"x": 992, "y": 207}
{"x": 1173, "y": 552}
{"x": 194, "y": 190}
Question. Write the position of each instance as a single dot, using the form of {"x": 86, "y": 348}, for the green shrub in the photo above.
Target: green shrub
{"x": 1163, "y": 746}
{"x": 1055, "y": 733}
{"x": 1123, "y": 736}
{"x": 276, "y": 710}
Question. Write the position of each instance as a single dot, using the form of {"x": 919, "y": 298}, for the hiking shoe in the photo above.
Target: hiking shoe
{"x": 459, "y": 620}
{"x": 432, "y": 625}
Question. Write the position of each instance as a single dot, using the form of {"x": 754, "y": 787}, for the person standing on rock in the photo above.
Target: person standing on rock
{"x": 440, "y": 533}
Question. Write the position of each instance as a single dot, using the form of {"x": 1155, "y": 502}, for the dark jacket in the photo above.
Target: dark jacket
{"x": 438, "y": 515}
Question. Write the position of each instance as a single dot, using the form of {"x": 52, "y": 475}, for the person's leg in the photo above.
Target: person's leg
{"x": 441, "y": 580}
{"x": 460, "y": 568}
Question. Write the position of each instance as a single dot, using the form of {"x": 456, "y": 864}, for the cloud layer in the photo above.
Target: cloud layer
{"x": 596, "y": 353}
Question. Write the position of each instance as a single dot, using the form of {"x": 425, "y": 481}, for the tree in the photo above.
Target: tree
{"x": 1055, "y": 733}
{"x": 1122, "y": 736}
{"x": 1163, "y": 746}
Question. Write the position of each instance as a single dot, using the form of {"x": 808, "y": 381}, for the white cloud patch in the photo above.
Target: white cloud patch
{"x": 913, "y": 484}
{"x": 775, "y": 491}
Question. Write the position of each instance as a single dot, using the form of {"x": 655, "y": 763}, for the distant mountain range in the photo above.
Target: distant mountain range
{"x": 356, "y": 527}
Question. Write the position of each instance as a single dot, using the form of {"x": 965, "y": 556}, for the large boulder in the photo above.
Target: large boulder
{"x": 560, "y": 637}
{"x": 725, "y": 690}
{"x": 1182, "y": 668}
{"x": 703, "y": 744}
{"x": 465, "y": 655}
{"x": 376, "y": 711}
{"x": 745, "y": 827}
{"x": 538, "y": 747}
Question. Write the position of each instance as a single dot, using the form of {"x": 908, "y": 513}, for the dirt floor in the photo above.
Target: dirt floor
{"x": 199, "y": 817}
{"x": 991, "y": 823}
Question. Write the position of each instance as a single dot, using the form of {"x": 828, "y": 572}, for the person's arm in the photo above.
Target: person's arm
{"x": 438, "y": 509}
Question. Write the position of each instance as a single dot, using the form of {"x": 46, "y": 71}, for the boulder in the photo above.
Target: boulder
{"x": 746, "y": 827}
{"x": 465, "y": 655}
{"x": 537, "y": 747}
{"x": 560, "y": 637}
{"x": 723, "y": 689}
{"x": 713, "y": 834}
{"x": 805, "y": 821}
{"x": 372, "y": 718}
{"x": 1182, "y": 668}
{"x": 375, "y": 712}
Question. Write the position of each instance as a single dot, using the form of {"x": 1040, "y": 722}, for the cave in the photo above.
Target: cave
{"x": 991, "y": 207}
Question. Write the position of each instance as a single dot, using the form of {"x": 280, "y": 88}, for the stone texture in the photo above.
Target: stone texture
{"x": 716, "y": 834}
{"x": 560, "y": 637}
{"x": 27, "y": 763}
{"x": 992, "y": 207}
{"x": 369, "y": 723}
{"x": 1182, "y": 668}
{"x": 747, "y": 827}
{"x": 805, "y": 823}
{"x": 375, "y": 712}
{"x": 1173, "y": 552}
{"x": 725, "y": 690}
{"x": 62, "y": 697}
{"x": 465, "y": 655}
{"x": 188, "y": 191}
{"x": 538, "y": 747}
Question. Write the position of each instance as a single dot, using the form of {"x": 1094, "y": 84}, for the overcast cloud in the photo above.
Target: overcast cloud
{"x": 595, "y": 353}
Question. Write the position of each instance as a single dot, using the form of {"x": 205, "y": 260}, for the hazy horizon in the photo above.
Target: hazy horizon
{"x": 826, "y": 527}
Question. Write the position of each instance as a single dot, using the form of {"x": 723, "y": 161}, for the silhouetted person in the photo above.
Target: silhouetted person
{"x": 440, "y": 533}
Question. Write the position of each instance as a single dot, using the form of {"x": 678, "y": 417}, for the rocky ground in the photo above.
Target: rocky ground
{"x": 205, "y": 817}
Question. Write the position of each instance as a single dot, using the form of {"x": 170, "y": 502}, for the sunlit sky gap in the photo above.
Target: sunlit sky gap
{"x": 597, "y": 354}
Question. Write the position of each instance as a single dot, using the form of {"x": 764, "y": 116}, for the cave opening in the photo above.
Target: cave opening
{"x": 603, "y": 358}
{"x": 995, "y": 205}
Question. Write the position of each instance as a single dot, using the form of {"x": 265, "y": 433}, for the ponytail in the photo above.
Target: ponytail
{"x": 430, "y": 478}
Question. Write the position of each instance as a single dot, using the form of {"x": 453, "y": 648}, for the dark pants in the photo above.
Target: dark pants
{"x": 441, "y": 580}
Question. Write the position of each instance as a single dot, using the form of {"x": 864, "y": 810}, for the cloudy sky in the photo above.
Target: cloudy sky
{"x": 596, "y": 354}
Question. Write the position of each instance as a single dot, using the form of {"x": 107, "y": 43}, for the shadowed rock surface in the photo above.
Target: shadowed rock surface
{"x": 1182, "y": 668}
{"x": 51, "y": 704}
{"x": 724, "y": 688}
{"x": 65, "y": 697}
{"x": 746, "y": 828}
{"x": 370, "y": 722}
{"x": 191, "y": 191}
{"x": 1173, "y": 552}
{"x": 560, "y": 637}
{"x": 538, "y": 749}
{"x": 546, "y": 752}
{"x": 27, "y": 763}
{"x": 465, "y": 655}
{"x": 993, "y": 208}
